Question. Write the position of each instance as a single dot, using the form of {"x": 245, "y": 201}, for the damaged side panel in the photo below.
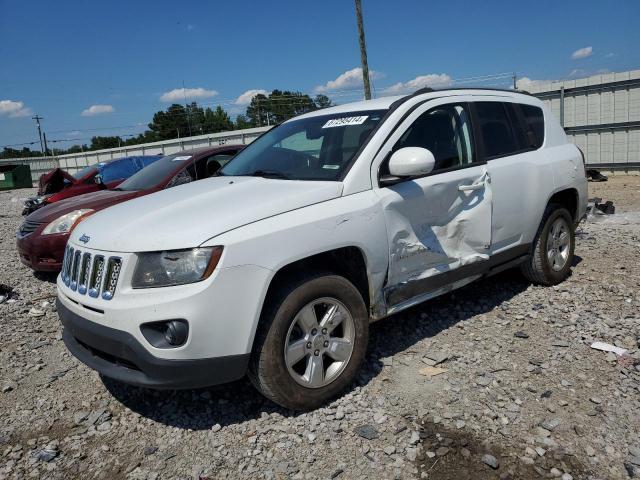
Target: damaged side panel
{"x": 350, "y": 221}
{"x": 435, "y": 228}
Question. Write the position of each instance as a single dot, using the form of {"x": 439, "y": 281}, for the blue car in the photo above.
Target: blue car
{"x": 59, "y": 184}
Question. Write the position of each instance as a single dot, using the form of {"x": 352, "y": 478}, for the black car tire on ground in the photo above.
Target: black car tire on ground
{"x": 268, "y": 368}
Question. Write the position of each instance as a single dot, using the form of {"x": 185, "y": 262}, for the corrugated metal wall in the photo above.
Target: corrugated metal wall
{"x": 601, "y": 114}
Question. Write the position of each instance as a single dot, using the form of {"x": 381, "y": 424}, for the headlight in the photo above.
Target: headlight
{"x": 66, "y": 222}
{"x": 175, "y": 267}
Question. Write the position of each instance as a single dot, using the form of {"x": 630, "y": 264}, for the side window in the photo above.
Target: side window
{"x": 534, "y": 124}
{"x": 446, "y": 132}
{"x": 495, "y": 128}
{"x": 216, "y": 162}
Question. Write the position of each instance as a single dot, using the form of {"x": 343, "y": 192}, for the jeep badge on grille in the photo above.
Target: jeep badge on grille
{"x": 85, "y": 238}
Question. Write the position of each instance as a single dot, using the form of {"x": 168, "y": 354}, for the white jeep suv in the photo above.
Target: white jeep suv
{"x": 276, "y": 266}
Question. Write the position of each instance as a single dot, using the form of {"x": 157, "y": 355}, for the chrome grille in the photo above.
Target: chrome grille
{"x": 75, "y": 267}
{"x": 66, "y": 264}
{"x": 95, "y": 281}
{"x": 111, "y": 277}
{"x": 95, "y": 275}
{"x": 85, "y": 267}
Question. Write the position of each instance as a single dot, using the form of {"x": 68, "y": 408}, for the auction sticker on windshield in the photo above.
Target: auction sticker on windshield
{"x": 341, "y": 122}
{"x": 180, "y": 158}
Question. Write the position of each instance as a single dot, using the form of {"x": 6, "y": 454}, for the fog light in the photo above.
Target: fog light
{"x": 166, "y": 333}
{"x": 176, "y": 333}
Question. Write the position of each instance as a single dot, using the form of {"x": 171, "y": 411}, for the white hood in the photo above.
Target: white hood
{"x": 188, "y": 215}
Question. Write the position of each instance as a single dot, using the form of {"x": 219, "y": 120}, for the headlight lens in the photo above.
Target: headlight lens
{"x": 66, "y": 222}
{"x": 175, "y": 267}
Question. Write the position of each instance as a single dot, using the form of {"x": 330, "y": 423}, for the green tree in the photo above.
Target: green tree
{"x": 278, "y": 107}
{"x": 169, "y": 124}
{"x": 98, "y": 143}
{"x": 217, "y": 120}
{"x": 76, "y": 148}
{"x": 322, "y": 101}
{"x": 9, "y": 152}
{"x": 243, "y": 122}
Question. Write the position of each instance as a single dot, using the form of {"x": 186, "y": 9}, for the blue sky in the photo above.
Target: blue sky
{"x": 103, "y": 68}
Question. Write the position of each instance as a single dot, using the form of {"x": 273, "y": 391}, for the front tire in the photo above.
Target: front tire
{"x": 553, "y": 249}
{"x": 311, "y": 341}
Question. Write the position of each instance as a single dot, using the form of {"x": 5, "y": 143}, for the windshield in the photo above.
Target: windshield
{"x": 152, "y": 175}
{"x": 314, "y": 148}
{"x": 81, "y": 173}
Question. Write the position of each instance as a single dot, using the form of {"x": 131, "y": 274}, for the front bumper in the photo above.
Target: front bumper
{"x": 119, "y": 355}
{"x": 42, "y": 253}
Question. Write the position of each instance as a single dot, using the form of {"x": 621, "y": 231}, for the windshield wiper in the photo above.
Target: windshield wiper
{"x": 267, "y": 174}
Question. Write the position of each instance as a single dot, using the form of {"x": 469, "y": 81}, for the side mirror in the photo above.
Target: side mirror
{"x": 411, "y": 162}
{"x": 408, "y": 162}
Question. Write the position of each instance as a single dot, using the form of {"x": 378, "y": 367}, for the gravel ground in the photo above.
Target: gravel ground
{"x": 496, "y": 380}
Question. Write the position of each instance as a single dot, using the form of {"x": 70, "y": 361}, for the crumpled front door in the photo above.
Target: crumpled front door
{"x": 436, "y": 225}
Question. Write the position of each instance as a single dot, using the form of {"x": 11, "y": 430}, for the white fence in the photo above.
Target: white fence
{"x": 76, "y": 161}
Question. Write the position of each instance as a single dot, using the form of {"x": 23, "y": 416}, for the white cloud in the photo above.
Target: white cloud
{"x": 178, "y": 94}
{"x": 74, "y": 133}
{"x": 582, "y": 53}
{"x": 434, "y": 80}
{"x": 610, "y": 55}
{"x": 349, "y": 80}
{"x": 527, "y": 84}
{"x": 245, "y": 98}
{"x": 94, "y": 110}
{"x": 14, "y": 109}
{"x": 576, "y": 72}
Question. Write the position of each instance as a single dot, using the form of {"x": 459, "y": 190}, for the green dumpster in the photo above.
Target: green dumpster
{"x": 15, "y": 176}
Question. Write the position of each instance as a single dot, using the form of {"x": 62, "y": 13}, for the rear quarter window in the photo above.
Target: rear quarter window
{"x": 534, "y": 125}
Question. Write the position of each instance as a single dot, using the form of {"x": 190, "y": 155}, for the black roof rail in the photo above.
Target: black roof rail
{"x": 510, "y": 90}
{"x": 421, "y": 91}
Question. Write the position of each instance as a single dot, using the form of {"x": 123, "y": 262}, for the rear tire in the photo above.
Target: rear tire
{"x": 311, "y": 341}
{"x": 553, "y": 248}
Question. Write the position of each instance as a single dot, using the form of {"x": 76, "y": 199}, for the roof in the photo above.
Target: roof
{"x": 384, "y": 103}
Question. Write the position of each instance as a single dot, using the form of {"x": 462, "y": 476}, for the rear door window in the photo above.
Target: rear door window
{"x": 495, "y": 129}
{"x": 534, "y": 125}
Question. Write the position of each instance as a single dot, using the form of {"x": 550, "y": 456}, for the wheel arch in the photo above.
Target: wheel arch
{"x": 349, "y": 262}
{"x": 567, "y": 198}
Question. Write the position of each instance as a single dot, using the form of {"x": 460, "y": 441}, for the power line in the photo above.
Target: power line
{"x": 292, "y": 99}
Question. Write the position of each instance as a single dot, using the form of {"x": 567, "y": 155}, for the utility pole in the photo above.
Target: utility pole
{"x": 184, "y": 91}
{"x": 37, "y": 118}
{"x": 515, "y": 81}
{"x": 46, "y": 148}
{"x": 363, "y": 52}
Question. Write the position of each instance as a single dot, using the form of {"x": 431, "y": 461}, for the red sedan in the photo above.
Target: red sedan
{"x": 43, "y": 235}
{"x": 59, "y": 184}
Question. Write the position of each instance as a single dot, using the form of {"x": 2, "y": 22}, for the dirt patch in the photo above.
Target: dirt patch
{"x": 450, "y": 454}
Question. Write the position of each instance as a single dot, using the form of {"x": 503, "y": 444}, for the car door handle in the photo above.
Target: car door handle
{"x": 473, "y": 186}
